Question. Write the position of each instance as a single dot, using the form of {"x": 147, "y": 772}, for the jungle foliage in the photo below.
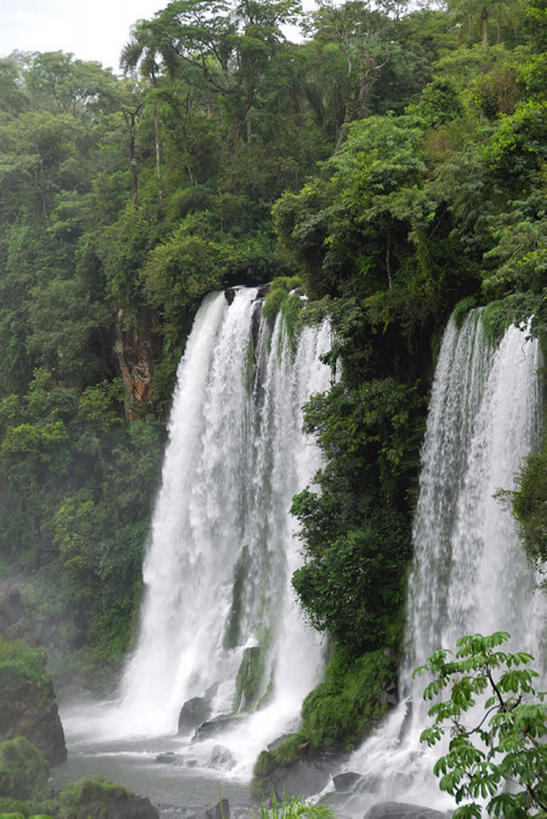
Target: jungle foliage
{"x": 392, "y": 160}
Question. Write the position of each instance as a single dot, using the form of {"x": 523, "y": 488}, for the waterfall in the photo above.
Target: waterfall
{"x": 217, "y": 573}
{"x": 469, "y": 573}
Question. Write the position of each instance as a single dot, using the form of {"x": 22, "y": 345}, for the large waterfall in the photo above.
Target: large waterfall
{"x": 218, "y": 602}
{"x": 469, "y": 573}
{"x": 217, "y": 574}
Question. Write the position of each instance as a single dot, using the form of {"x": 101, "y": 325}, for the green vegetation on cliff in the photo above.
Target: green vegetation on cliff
{"x": 28, "y": 707}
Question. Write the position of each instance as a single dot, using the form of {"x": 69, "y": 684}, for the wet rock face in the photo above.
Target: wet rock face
{"x": 28, "y": 708}
{"x": 346, "y": 781}
{"x": 214, "y": 726}
{"x": 193, "y": 713}
{"x": 303, "y": 777}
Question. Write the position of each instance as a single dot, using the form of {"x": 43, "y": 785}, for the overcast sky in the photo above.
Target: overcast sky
{"x": 89, "y": 29}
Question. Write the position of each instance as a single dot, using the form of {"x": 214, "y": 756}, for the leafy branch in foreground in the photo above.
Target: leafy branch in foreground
{"x": 291, "y": 808}
{"x": 505, "y": 744}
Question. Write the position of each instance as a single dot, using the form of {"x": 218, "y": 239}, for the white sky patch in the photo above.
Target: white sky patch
{"x": 89, "y": 29}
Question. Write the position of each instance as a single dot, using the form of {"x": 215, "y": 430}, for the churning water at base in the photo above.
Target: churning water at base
{"x": 219, "y": 621}
{"x": 470, "y": 573}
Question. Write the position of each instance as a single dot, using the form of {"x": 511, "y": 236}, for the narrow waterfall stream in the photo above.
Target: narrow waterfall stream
{"x": 219, "y": 621}
{"x": 470, "y": 573}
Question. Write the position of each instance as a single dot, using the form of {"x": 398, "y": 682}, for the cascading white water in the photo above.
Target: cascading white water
{"x": 222, "y": 552}
{"x": 470, "y": 573}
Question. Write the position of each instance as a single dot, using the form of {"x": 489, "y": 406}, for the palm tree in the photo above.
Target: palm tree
{"x": 142, "y": 49}
{"x": 501, "y": 12}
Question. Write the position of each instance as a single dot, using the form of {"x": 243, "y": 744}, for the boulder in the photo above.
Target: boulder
{"x": 304, "y": 777}
{"x": 219, "y": 811}
{"x": 169, "y": 758}
{"x": 27, "y": 701}
{"x": 100, "y": 798}
{"x": 400, "y": 810}
{"x": 193, "y": 713}
{"x": 214, "y": 726}
{"x": 222, "y": 758}
{"x": 345, "y": 782}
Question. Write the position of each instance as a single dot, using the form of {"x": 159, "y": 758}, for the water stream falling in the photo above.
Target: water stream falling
{"x": 218, "y": 598}
{"x": 222, "y": 553}
{"x": 470, "y": 573}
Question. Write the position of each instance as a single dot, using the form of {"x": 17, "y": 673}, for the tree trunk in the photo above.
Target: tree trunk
{"x": 42, "y": 192}
{"x": 484, "y": 17}
{"x": 500, "y": 35}
{"x": 130, "y": 118}
{"x": 158, "y": 150}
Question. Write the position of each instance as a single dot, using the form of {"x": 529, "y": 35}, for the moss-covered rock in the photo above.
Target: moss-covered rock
{"x": 27, "y": 700}
{"x": 249, "y": 679}
{"x": 24, "y": 771}
{"x": 292, "y": 768}
{"x": 279, "y": 290}
{"x": 354, "y": 696}
{"x": 336, "y": 715}
{"x": 98, "y": 798}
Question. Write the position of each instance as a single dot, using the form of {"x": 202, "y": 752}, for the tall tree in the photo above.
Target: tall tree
{"x": 501, "y": 12}
{"x": 143, "y": 50}
{"x": 359, "y": 32}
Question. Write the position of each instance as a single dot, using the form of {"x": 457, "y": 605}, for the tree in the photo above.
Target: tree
{"x": 58, "y": 83}
{"x": 360, "y": 35}
{"x": 468, "y": 12}
{"x": 506, "y": 744}
{"x": 142, "y": 49}
{"x": 231, "y": 45}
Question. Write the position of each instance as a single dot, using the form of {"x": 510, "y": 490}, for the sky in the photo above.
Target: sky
{"x": 89, "y": 29}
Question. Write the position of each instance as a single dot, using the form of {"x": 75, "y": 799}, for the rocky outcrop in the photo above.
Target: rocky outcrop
{"x": 346, "y": 782}
{"x": 193, "y": 713}
{"x": 219, "y": 811}
{"x": 101, "y": 799}
{"x": 400, "y": 810}
{"x": 27, "y": 701}
{"x": 304, "y": 777}
{"x": 214, "y": 726}
{"x": 135, "y": 361}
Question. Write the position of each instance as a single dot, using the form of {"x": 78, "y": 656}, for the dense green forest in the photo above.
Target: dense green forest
{"x": 392, "y": 159}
